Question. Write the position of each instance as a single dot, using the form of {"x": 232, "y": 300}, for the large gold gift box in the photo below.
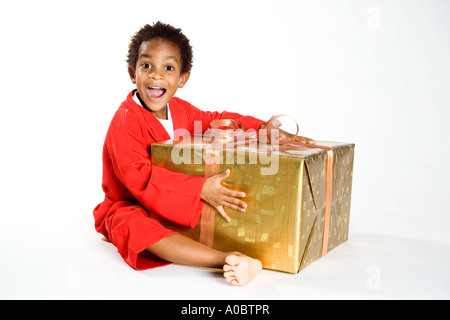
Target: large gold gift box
{"x": 283, "y": 225}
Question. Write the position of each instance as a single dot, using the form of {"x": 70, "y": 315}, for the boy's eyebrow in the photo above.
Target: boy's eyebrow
{"x": 144, "y": 55}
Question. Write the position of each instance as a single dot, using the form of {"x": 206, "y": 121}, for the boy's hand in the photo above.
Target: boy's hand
{"x": 219, "y": 197}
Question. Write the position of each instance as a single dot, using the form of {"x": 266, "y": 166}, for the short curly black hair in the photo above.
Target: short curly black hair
{"x": 165, "y": 31}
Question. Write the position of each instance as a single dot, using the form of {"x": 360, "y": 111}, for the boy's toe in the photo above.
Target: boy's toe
{"x": 229, "y": 276}
{"x": 227, "y": 267}
{"x": 233, "y": 260}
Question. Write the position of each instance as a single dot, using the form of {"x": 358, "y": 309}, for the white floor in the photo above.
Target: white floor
{"x": 82, "y": 266}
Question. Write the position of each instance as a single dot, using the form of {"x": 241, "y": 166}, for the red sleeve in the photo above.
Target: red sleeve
{"x": 174, "y": 196}
{"x": 206, "y": 117}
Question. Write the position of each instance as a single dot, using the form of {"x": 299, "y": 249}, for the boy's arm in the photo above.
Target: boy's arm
{"x": 174, "y": 196}
{"x": 207, "y": 116}
{"x": 249, "y": 122}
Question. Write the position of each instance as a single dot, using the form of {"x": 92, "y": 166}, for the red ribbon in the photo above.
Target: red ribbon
{"x": 288, "y": 145}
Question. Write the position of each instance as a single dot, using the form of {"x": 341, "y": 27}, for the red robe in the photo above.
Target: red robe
{"x": 134, "y": 189}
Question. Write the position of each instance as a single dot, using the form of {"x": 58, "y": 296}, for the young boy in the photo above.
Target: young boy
{"x": 137, "y": 193}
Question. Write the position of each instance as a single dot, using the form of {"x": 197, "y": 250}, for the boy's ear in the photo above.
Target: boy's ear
{"x": 132, "y": 74}
{"x": 183, "y": 79}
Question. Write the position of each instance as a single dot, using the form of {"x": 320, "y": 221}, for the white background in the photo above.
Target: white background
{"x": 375, "y": 73}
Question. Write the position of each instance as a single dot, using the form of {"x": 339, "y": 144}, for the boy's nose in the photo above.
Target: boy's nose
{"x": 156, "y": 75}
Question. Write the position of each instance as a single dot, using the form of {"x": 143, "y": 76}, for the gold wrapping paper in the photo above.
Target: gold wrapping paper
{"x": 283, "y": 224}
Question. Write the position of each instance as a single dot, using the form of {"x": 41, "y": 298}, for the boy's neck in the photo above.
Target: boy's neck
{"x": 162, "y": 114}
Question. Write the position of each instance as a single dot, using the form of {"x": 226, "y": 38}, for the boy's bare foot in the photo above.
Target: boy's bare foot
{"x": 240, "y": 269}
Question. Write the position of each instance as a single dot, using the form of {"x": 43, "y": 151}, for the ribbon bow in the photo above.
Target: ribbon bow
{"x": 229, "y": 131}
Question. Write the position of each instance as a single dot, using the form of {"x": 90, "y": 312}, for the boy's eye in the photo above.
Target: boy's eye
{"x": 169, "y": 68}
{"x": 146, "y": 66}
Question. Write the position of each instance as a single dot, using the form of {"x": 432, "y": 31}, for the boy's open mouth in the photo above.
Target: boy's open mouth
{"x": 155, "y": 92}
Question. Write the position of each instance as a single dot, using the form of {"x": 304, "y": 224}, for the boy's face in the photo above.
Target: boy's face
{"x": 158, "y": 74}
